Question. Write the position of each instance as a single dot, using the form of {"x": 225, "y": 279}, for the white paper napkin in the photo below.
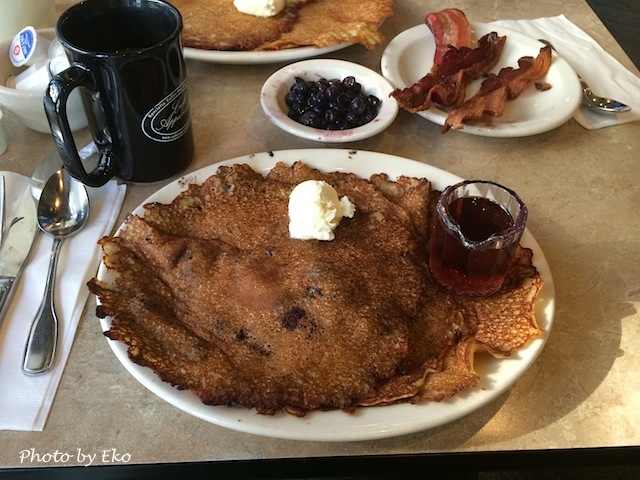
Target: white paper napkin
{"x": 25, "y": 401}
{"x": 604, "y": 74}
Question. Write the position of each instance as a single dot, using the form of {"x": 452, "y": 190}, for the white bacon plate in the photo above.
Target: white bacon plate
{"x": 409, "y": 57}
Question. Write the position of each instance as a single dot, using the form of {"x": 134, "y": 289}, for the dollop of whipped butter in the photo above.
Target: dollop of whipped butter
{"x": 315, "y": 210}
{"x": 260, "y": 8}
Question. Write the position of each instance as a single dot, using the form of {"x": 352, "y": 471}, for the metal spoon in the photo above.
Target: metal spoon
{"x": 49, "y": 165}
{"x": 601, "y": 104}
{"x": 593, "y": 101}
{"x": 63, "y": 209}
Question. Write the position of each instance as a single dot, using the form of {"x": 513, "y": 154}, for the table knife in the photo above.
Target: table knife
{"x": 19, "y": 237}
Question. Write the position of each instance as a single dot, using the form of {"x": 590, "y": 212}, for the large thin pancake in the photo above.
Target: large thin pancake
{"x": 218, "y": 25}
{"x": 284, "y": 323}
{"x": 212, "y": 294}
{"x": 330, "y": 22}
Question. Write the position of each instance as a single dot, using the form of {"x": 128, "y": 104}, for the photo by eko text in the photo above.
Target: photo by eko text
{"x": 79, "y": 457}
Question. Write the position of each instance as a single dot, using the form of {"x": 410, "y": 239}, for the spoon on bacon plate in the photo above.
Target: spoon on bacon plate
{"x": 593, "y": 101}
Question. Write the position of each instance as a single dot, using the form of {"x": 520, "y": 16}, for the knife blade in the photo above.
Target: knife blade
{"x": 16, "y": 247}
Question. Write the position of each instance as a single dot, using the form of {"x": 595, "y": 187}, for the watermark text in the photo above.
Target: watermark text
{"x": 81, "y": 457}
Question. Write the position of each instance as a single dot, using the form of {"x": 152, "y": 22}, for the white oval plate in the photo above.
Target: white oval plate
{"x": 277, "y": 85}
{"x": 496, "y": 376}
{"x": 256, "y": 57}
{"x": 409, "y": 57}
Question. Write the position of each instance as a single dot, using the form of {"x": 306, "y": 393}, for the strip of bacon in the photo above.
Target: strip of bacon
{"x": 450, "y": 28}
{"x": 446, "y": 83}
{"x": 496, "y": 90}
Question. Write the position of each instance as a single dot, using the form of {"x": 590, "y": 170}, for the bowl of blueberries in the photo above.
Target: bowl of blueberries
{"x": 330, "y": 101}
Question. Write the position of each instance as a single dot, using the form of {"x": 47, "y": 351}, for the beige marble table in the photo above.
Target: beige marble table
{"x": 582, "y": 191}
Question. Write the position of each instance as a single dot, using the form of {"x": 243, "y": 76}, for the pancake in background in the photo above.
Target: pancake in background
{"x": 323, "y": 23}
{"x": 218, "y": 25}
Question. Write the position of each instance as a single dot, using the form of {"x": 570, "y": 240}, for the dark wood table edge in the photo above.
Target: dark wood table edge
{"x": 447, "y": 465}
{"x": 621, "y": 18}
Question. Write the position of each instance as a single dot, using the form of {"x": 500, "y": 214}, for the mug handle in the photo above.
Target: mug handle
{"x": 55, "y": 106}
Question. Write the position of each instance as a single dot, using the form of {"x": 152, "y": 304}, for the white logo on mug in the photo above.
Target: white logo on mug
{"x": 169, "y": 119}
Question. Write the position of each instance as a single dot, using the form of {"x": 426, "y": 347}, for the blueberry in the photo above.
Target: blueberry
{"x": 373, "y": 101}
{"x": 330, "y": 116}
{"x": 357, "y": 106}
{"x": 351, "y": 119}
{"x": 310, "y": 119}
{"x": 332, "y": 92}
{"x": 368, "y": 116}
{"x": 294, "y": 100}
{"x": 322, "y": 84}
{"x": 343, "y": 100}
{"x": 317, "y": 100}
{"x": 299, "y": 85}
{"x": 349, "y": 81}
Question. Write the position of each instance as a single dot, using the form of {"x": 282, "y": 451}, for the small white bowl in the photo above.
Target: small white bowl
{"x": 28, "y": 105}
{"x": 274, "y": 90}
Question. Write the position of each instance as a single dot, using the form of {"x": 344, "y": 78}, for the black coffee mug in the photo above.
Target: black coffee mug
{"x": 126, "y": 59}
